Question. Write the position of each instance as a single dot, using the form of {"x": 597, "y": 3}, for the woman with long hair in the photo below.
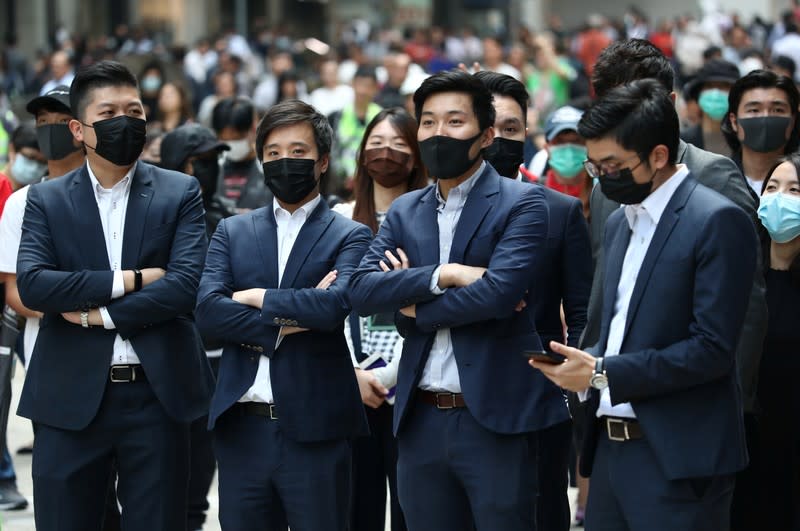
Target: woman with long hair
{"x": 388, "y": 165}
{"x": 174, "y": 106}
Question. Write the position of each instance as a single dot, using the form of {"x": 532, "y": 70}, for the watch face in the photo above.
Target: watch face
{"x": 599, "y": 381}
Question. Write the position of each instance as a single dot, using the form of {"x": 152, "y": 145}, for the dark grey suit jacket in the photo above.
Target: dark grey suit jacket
{"x": 722, "y": 175}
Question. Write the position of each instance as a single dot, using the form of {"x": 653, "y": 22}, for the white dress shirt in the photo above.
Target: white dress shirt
{"x": 441, "y": 372}
{"x": 642, "y": 220}
{"x": 112, "y": 204}
{"x": 288, "y": 227}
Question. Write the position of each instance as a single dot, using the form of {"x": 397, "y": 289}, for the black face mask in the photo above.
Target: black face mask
{"x": 620, "y": 186}
{"x": 290, "y": 179}
{"x": 446, "y": 157}
{"x": 120, "y": 140}
{"x": 505, "y": 155}
{"x": 55, "y": 141}
{"x": 206, "y": 171}
{"x": 765, "y": 134}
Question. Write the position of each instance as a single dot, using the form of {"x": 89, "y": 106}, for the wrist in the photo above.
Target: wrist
{"x": 445, "y": 277}
{"x": 128, "y": 280}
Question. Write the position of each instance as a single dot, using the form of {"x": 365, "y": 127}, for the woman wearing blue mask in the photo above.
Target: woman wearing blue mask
{"x": 779, "y": 213}
{"x": 710, "y": 89}
{"x": 26, "y": 163}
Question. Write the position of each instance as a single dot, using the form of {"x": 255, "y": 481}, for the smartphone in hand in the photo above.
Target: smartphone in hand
{"x": 544, "y": 356}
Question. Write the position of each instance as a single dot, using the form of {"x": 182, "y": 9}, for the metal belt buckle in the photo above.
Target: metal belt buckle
{"x": 272, "y": 414}
{"x": 617, "y": 422}
{"x": 439, "y": 400}
{"x": 131, "y": 378}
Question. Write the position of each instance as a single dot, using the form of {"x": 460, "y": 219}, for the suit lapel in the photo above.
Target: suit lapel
{"x": 475, "y": 209}
{"x": 309, "y": 234}
{"x": 265, "y": 233}
{"x": 87, "y": 221}
{"x": 141, "y": 195}
{"x": 426, "y": 234}
{"x": 664, "y": 228}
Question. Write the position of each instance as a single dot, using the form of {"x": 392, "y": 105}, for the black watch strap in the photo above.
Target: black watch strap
{"x": 137, "y": 280}
{"x": 598, "y": 366}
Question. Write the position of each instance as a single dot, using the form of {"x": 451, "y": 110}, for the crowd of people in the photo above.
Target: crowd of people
{"x": 466, "y": 270}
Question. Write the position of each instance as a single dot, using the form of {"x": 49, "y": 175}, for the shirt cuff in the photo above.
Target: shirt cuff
{"x": 434, "y": 287}
{"x": 118, "y": 287}
{"x": 108, "y": 323}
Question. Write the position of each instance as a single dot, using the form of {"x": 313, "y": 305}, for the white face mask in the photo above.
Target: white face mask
{"x": 240, "y": 150}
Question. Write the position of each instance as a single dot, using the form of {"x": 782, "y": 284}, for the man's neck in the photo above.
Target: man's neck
{"x": 663, "y": 175}
{"x": 107, "y": 174}
{"x": 756, "y": 165}
{"x": 57, "y": 168}
{"x": 291, "y": 208}
{"x": 710, "y": 126}
{"x": 361, "y": 106}
{"x": 445, "y": 185}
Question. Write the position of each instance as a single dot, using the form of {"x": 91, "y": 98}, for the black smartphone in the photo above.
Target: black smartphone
{"x": 544, "y": 356}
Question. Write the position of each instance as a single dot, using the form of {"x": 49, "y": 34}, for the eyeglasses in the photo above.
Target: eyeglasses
{"x": 609, "y": 169}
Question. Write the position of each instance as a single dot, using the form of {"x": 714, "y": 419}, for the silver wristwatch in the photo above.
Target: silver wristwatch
{"x": 599, "y": 380}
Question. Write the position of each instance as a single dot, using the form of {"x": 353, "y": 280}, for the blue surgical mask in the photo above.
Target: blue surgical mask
{"x": 151, "y": 83}
{"x": 27, "y": 171}
{"x": 780, "y": 215}
{"x": 714, "y": 102}
{"x": 567, "y": 159}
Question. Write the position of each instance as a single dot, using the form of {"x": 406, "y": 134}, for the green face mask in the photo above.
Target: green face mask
{"x": 714, "y": 103}
{"x": 567, "y": 159}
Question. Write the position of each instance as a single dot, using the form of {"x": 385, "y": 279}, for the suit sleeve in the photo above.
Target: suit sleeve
{"x": 512, "y": 265}
{"x": 577, "y": 277}
{"x": 373, "y": 291}
{"x": 218, "y": 316}
{"x": 42, "y": 286}
{"x": 723, "y": 175}
{"x": 725, "y": 261}
{"x": 176, "y": 292}
{"x": 320, "y": 309}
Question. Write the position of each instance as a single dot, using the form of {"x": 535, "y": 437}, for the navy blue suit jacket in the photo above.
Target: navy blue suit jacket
{"x": 313, "y": 383}
{"x": 503, "y": 227}
{"x": 63, "y": 267}
{"x": 677, "y": 363}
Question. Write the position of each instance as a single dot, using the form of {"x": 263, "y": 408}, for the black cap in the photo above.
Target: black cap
{"x": 714, "y": 71}
{"x": 56, "y": 99}
{"x": 185, "y": 141}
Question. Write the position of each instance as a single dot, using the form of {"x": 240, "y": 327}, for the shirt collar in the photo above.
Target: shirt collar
{"x": 463, "y": 189}
{"x": 655, "y": 203}
{"x": 306, "y": 209}
{"x": 124, "y": 183}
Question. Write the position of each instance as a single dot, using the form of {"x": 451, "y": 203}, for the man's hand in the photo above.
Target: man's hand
{"x": 373, "y": 393}
{"x": 250, "y": 297}
{"x": 574, "y": 373}
{"x": 459, "y": 275}
{"x": 398, "y": 262}
{"x": 290, "y": 330}
{"x": 95, "y": 319}
{"x": 410, "y": 311}
{"x": 476, "y": 67}
{"x": 327, "y": 280}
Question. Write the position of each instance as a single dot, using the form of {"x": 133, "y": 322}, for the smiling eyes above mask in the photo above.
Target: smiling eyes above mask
{"x": 567, "y": 159}
{"x": 780, "y": 215}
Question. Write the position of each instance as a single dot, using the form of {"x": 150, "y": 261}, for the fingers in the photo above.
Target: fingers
{"x": 327, "y": 280}
{"x": 384, "y": 267}
{"x": 521, "y": 305}
{"x": 393, "y": 260}
{"x": 403, "y": 258}
{"x": 378, "y": 388}
{"x": 372, "y": 400}
{"x": 558, "y": 348}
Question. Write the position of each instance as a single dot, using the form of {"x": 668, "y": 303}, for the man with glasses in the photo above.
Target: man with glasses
{"x": 665, "y": 433}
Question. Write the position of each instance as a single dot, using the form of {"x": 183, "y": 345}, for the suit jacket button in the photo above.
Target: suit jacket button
{"x": 294, "y": 323}
{"x": 276, "y": 321}
{"x": 259, "y": 349}
{"x": 252, "y": 358}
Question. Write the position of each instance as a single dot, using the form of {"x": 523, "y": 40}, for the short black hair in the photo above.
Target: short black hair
{"x": 98, "y": 75}
{"x": 24, "y": 136}
{"x": 506, "y": 85}
{"x": 761, "y": 79}
{"x": 366, "y": 71}
{"x": 629, "y": 60}
{"x": 458, "y": 81}
{"x": 292, "y": 112}
{"x": 785, "y": 63}
{"x": 625, "y": 111}
{"x": 237, "y": 112}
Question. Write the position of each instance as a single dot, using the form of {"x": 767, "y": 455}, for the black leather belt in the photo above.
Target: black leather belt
{"x": 442, "y": 400}
{"x": 255, "y": 408}
{"x": 127, "y": 374}
{"x": 621, "y": 430}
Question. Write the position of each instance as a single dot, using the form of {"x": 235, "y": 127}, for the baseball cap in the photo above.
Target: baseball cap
{"x": 185, "y": 141}
{"x": 562, "y": 119}
{"x": 56, "y": 99}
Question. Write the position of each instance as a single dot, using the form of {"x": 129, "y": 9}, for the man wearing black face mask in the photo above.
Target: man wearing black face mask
{"x": 274, "y": 292}
{"x": 110, "y": 255}
{"x": 564, "y": 281}
{"x": 679, "y": 263}
{"x": 455, "y": 259}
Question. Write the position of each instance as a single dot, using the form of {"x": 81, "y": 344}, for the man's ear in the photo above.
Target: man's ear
{"x": 659, "y": 157}
{"x": 488, "y": 137}
{"x": 76, "y": 128}
{"x": 324, "y": 160}
{"x": 734, "y": 122}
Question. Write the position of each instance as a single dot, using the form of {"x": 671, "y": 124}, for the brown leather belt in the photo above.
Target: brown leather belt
{"x": 621, "y": 430}
{"x": 255, "y": 408}
{"x": 442, "y": 400}
{"x": 126, "y": 374}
